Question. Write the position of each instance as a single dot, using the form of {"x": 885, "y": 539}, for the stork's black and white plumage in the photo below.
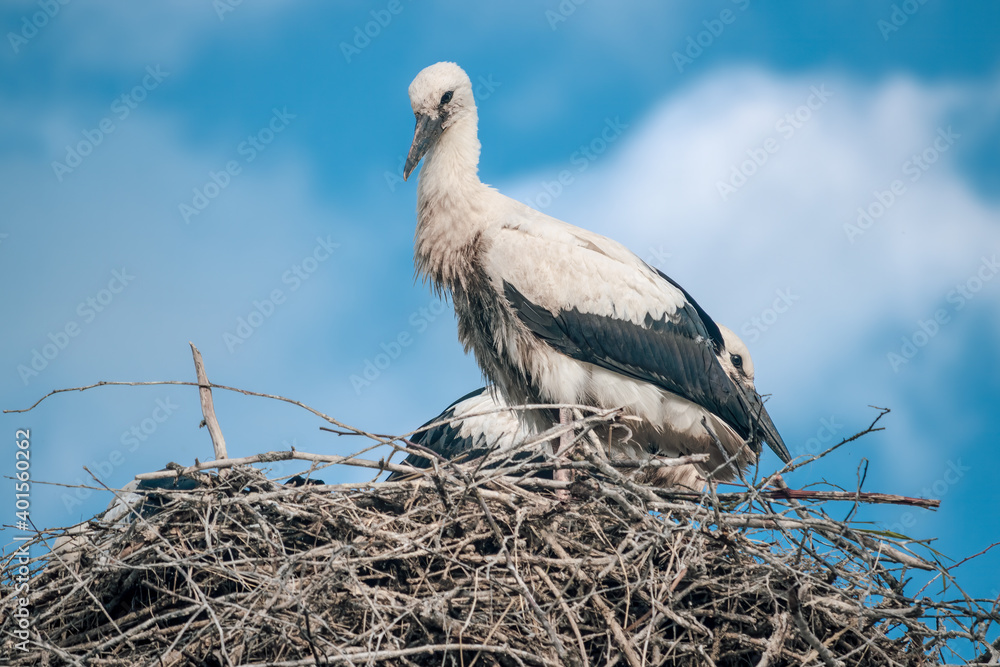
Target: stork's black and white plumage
{"x": 558, "y": 314}
{"x": 482, "y": 422}
{"x": 476, "y": 424}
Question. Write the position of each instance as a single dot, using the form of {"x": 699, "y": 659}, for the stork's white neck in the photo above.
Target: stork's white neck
{"x": 454, "y": 158}
{"x": 451, "y": 202}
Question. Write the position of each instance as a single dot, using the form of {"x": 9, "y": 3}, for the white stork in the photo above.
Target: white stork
{"x": 558, "y": 314}
{"x": 481, "y": 422}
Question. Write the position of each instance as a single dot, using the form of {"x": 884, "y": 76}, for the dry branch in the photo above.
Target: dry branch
{"x": 207, "y": 405}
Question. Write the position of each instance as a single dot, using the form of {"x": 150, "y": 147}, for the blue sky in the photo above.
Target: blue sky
{"x": 821, "y": 177}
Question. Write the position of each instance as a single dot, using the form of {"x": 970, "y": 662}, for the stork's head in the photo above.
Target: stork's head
{"x": 736, "y": 361}
{"x": 440, "y": 95}
{"x": 735, "y": 358}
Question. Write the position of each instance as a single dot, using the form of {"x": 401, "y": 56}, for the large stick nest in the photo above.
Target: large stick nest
{"x": 464, "y": 567}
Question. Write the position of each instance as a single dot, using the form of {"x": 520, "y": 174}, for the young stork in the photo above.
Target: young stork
{"x": 481, "y": 422}
{"x": 558, "y": 314}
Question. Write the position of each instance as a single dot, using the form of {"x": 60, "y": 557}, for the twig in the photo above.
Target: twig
{"x": 858, "y": 496}
{"x": 270, "y": 457}
{"x": 371, "y": 657}
{"x": 777, "y": 641}
{"x": 968, "y": 558}
{"x": 870, "y": 429}
{"x": 212, "y": 385}
{"x": 207, "y": 405}
{"x": 800, "y": 623}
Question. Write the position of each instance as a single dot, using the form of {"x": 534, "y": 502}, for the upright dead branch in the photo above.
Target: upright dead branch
{"x": 208, "y": 406}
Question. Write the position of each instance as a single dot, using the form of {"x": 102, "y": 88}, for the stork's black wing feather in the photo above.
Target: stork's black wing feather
{"x": 710, "y": 326}
{"x": 676, "y": 355}
{"x": 443, "y": 439}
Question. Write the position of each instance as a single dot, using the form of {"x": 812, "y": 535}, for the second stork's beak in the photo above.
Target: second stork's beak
{"x": 426, "y": 134}
{"x": 762, "y": 424}
{"x": 771, "y": 436}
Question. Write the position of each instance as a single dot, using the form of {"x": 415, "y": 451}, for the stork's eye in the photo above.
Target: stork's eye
{"x": 447, "y": 97}
{"x": 737, "y": 360}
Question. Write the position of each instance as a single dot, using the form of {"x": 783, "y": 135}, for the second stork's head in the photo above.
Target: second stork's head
{"x": 441, "y": 97}
{"x": 736, "y": 361}
{"x": 735, "y": 358}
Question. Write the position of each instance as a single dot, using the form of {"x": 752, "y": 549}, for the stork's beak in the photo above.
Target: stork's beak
{"x": 764, "y": 426}
{"x": 426, "y": 134}
{"x": 771, "y": 436}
